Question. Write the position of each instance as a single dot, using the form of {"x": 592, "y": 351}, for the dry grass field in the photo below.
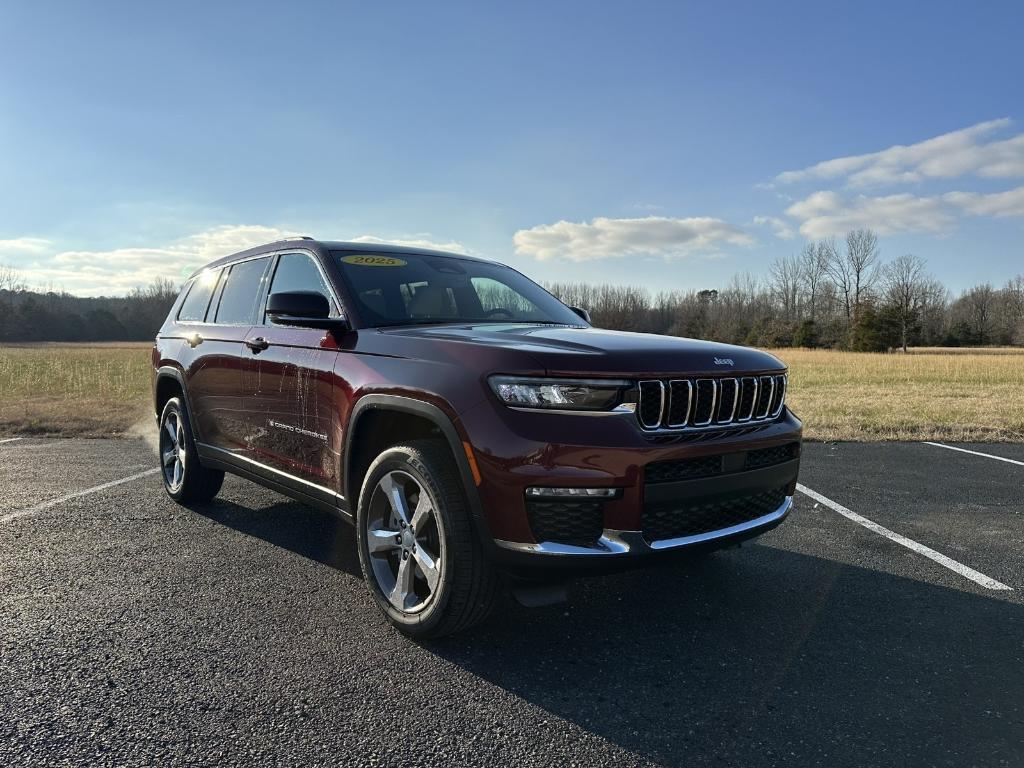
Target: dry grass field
{"x": 966, "y": 395}
{"x": 100, "y": 390}
{"x": 81, "y": 390}
{"x": 965, "y": 351}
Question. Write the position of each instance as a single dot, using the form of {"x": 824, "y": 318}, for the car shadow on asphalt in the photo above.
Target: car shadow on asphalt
{"x": 757, "y": 656}
{"x": 292, "y": 526}
{"x": 762, "y": 656}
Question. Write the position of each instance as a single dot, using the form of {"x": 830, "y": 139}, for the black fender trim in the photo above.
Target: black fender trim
{"x": 441, "y": 420}
{"x": 170, "y": 372}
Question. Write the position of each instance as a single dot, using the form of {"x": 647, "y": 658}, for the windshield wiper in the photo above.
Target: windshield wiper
{"x": 479, "y": 321}
{"x": 549, "y": 322}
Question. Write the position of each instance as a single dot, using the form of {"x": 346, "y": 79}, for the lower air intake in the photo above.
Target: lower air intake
{"x": 675, "y": 519}
{"x": 579, "y": 523}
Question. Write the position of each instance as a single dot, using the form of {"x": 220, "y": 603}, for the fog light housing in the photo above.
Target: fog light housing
{"x": 540, "y": 492}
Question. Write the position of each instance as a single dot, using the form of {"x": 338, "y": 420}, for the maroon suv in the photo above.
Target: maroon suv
{"x": 464, "y": 419}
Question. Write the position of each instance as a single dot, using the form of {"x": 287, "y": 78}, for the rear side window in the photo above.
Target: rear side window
{"x": 193, "y": 308}
{"x": 298, "y": 272}
{"x": 238, "y": 299}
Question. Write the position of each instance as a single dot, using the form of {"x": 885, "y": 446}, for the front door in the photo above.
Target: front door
{"x": 294, "y": 424}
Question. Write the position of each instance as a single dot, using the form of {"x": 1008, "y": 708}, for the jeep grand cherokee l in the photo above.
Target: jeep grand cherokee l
{"x": 467, "y": 422}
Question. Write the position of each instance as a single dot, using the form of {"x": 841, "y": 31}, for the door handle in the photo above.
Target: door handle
{"x": 258, "y": 344}
{"x": 194, "y": 340}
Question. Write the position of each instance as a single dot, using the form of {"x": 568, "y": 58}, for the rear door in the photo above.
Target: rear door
{"x": 289, "y": 385}
{"x": 215, "y": 381}
{"x": 197, "y": 356}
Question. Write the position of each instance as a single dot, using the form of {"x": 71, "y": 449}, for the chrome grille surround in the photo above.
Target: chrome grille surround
{"x": 727, "y": 403}
{"x": 675, "y": 395}
{"x": 764, "y": 397}
{"x": 708, "y": 403}
{"x": 705, "y": 397}
{"x": 646, "y": 413}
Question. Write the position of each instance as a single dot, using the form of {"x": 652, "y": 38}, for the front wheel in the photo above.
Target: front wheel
{"x": 419, "y": 553}
{"x": 185, "y": 479}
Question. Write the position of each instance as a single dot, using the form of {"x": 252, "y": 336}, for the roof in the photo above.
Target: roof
{"x": 322, "y": 246}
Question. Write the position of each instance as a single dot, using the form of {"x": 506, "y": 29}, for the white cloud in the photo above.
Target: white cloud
{"x": 954, "y": 154}
{"x": 779, "y": 228}
{"x": 24, "y": 245}
{"x": 997, "y": 204}
{"x": 415, "y": 242}
{"x": 827, "y": 213}
{"x": 117, "y": 271}
{"x": 605, "y": 238}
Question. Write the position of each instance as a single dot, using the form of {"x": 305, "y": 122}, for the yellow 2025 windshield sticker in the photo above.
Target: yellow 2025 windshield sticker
{"x": 374, "y": 261}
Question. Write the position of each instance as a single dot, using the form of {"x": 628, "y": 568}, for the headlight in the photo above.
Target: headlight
{"x": 560, "y": 394}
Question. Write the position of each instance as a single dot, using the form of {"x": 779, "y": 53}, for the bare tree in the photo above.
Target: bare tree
{"x": 1012, "y": 311}
{"x": 786, "y": 275}
{"x": 11, "y": 279}
{"x": 905, "y": 280}
{"x": 813, "y": 271}
{"x": 862, "y": 256}
{"x": 934, "y": 311}
{"x": 839, "y": 272}
{"x": 977, "y": 308}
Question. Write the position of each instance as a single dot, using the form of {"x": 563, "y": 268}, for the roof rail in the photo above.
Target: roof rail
{"x": 287, "y": 239}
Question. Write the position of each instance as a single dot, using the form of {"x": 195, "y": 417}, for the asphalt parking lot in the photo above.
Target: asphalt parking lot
{"x": 137, "y": 632}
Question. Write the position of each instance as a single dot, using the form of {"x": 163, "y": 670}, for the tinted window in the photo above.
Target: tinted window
{"x": 193, "y": 309}
{"x": 403, "y": 289}
{"x": 496, "y": 297}
{"x": 298, "y": 272}
{"x": 238, "y": 299}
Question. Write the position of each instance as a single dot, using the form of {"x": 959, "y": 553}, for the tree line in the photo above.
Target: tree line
{"x": 53, "y": 315}
{"x": 835, "y": 294}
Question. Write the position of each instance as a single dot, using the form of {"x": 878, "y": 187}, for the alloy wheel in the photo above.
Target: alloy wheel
{"x": 405, "y": 542}
{"x": 172, "y": 451}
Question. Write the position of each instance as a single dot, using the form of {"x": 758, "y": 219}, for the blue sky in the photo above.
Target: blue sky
{"x": 665, "y": 144}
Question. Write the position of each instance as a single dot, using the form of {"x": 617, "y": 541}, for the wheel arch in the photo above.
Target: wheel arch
{"x": 168, "y": 383}
{"x": 372, "y": 406}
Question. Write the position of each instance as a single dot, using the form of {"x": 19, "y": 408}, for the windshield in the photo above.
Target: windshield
{"x": 410, "y": 289}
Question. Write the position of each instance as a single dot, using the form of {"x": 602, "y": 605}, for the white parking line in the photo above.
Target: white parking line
{"x": 975, "y": 453}
{"x": 62, "y": 499}
{"x": 921, "y": 549}
{"x": 9, "y": 439}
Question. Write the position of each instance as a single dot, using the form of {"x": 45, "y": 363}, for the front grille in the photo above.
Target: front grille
{"x": 580, "y": 523}
{"x": 710, "y": 466}
{"x": 707, "y": 402}
{"x": 675, "y": 519}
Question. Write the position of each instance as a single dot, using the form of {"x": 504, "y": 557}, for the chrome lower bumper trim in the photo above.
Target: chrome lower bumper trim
{"x": 614, "y": 542}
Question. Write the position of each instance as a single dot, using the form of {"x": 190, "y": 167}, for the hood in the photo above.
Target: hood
{"x": 563, "y": 350}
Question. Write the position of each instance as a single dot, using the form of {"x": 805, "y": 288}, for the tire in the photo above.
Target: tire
{"x": 421, "y": 601}
{"x": 185, "y": 479}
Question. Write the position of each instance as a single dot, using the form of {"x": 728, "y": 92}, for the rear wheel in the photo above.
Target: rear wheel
{"x": 419, "y": 553}
{"x": 185, "y": 479}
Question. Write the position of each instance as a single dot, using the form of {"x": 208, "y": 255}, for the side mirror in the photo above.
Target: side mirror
{"x": 581, "y": 312}
{"x": 303, "y": 309}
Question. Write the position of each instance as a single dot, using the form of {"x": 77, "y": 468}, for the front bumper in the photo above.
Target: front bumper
{"x": 652, "y": 509}
{"x": 633, "y": 543}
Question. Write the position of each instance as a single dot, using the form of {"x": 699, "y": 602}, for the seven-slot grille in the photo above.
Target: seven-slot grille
{"x": 702, "y": 402}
